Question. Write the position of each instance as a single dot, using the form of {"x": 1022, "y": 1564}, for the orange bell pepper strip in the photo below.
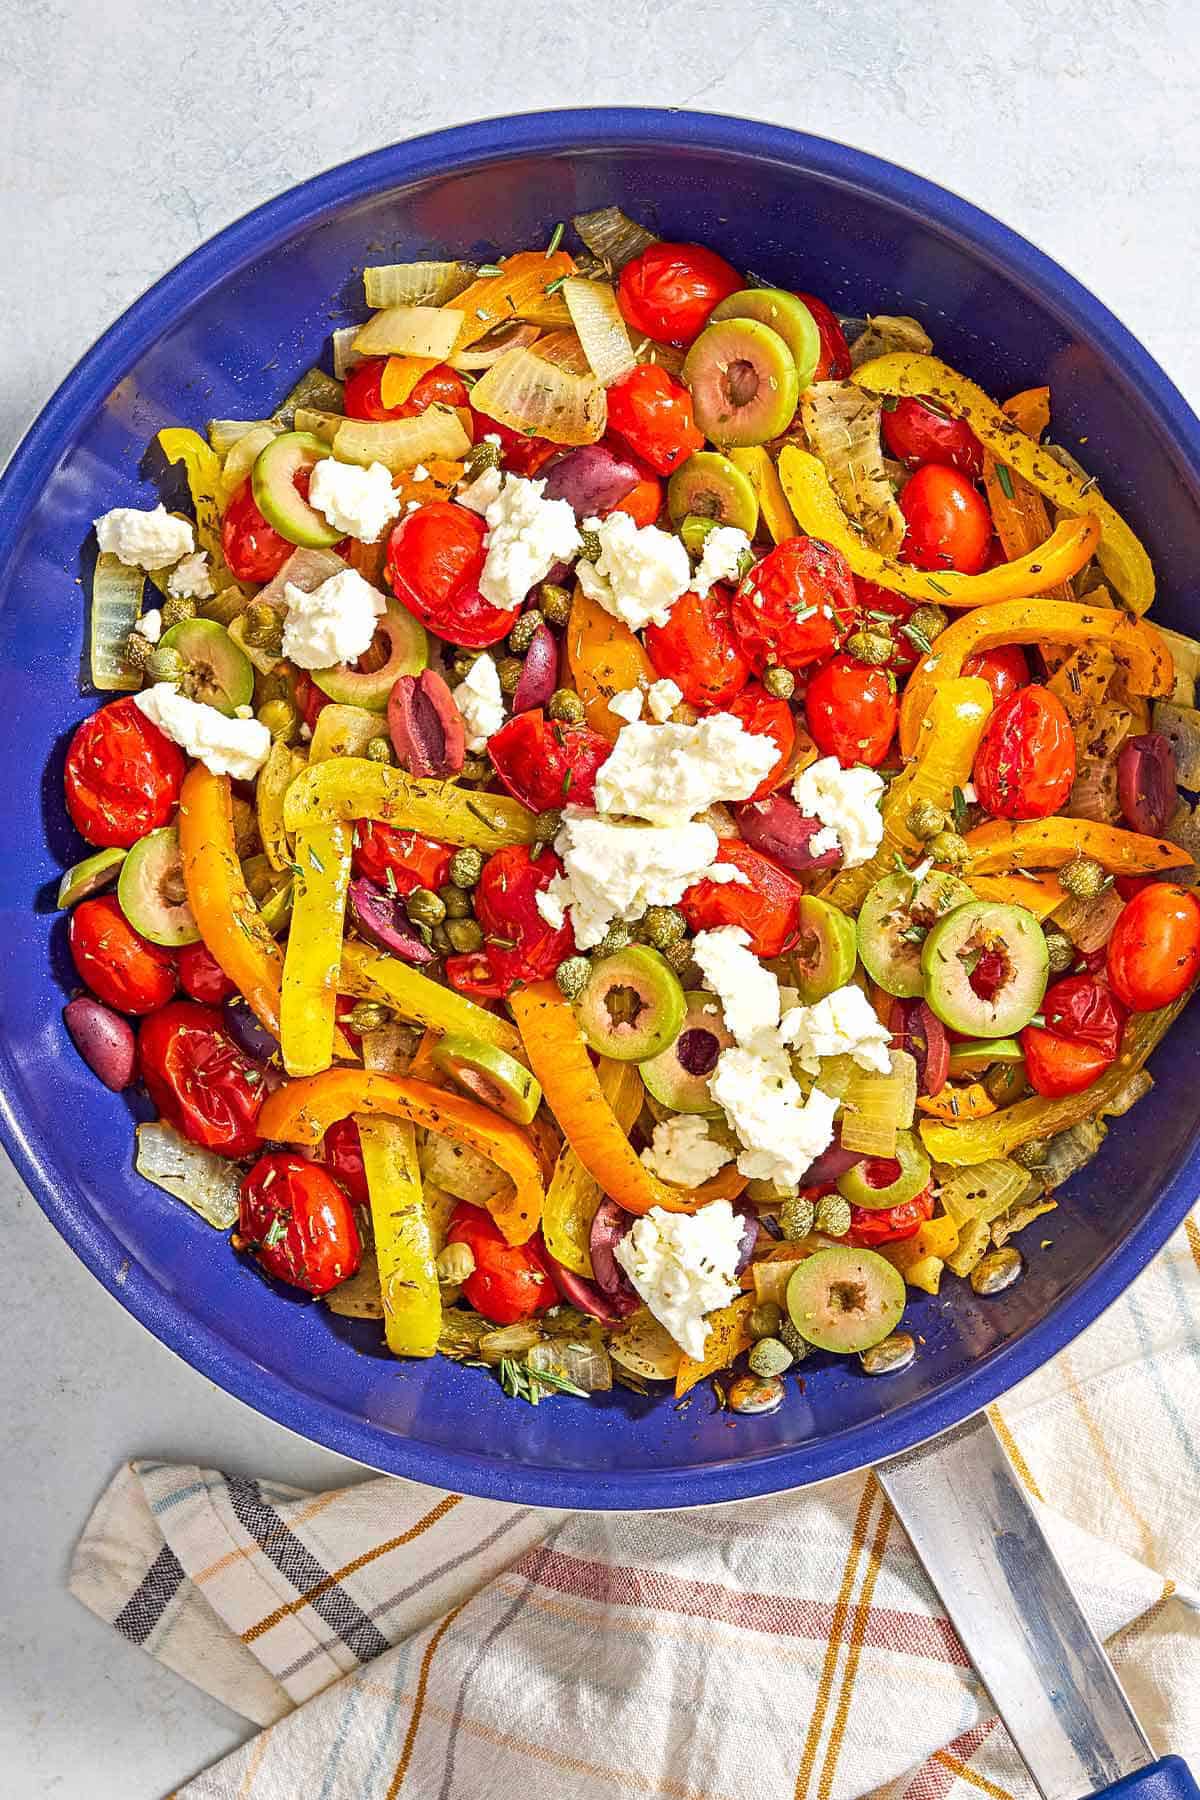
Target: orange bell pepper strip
{"x": 558, "y": 1056}
{"x": 972, "y": 1102}
{"x": 1038, "y": 894}
{"x": 1020, "y": 515}
{"x": 517, "y": 293}
{"x": 605, "y": 659}
{"x": 1142, "y": 651}
{"x": 728, "y": 1335}
{"x": 301, "y": 1112}
{"x": 999, "y": 847}
{"x": 229, "y": 922}
{"x": 401, "y": 375}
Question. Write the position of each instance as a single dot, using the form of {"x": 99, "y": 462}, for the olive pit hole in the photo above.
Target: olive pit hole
{"x": 698, "y": 1050}
{"x": 624, "y": 1005}
{"x": 847, "y": 1297}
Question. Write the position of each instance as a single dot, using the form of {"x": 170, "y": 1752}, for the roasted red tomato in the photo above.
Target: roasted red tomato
{"x": 201, "y": 976}
{"x": 1154, "y": 951}
{"x": 122, "y": 776}
{"x": 544, "y": 763}
{"x": 643, "y": 503}
{"x": 198, "y": 1078}
{"x": 254, "y": 550}
{"x": 834, "y": 364}
{"x": 343, "y": 1158}
{"x": 882, "y": 611}
{"x": 1057, "y": 1065}
{"x": 520, "y": 945}
{"x": 1025, "y": 764}
{"x": 1005, "y": 670}
{"x": 851, "y": 711}
{"x": 653, "y": 414}
{"x": 438, "y": 386}
{"x": 668, "y": 291}
{"x": 917, "y": 433}
{"x": 122, "y": 968}
{"x": 522, "y": 455}
{"x": 1087, "y": 1010}
{"x": 763, "y": 714}
{"x": 435, "y": 557}
{"x": 472, "y": 974}
{"x": 890, "y": 1223}
{"x": 309, "y": 699}
{"x": 949, "y": 525}
{"x": 298, "y": 1222}
{"x": 510, "y": 1281}
{"x": 699, "y": 649}
{"x": 795, "y": 606}
{"x": 766, "y": 904}
{"x": 399, "y": 860}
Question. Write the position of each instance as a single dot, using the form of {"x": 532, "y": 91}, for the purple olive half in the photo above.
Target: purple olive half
{"x": 750, "y": 1231}
{"x": 247, "y": 1032}
{"x": 1146, "y": 782}
{"x": 610, "y": 1309}
{"x": 778, "y": 828}
{"x": 381, "y": 917}
{"x": 425, "y": 726}
{"x": 104, "y": 1040}
{"x": 923, "y": 1035}
{"x": 593, "y": 478}
{"x": 609, "y": 1226}
{"x": 539, "y": 674}
{"x": 830, "y": 1164}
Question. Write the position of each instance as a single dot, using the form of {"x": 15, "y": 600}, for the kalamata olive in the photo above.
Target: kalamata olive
{"x": 923, "y": 1035}
{"x": 750, "y": 1231}
{"x": 539, "y": 676}
{"x": 592, "y": 478}
{"x": 778, "y": 828}
{"x": 610, "y": 1309}
{"x": 830, "y": 1164}
{"x": 381, "y": 917}
{"x": 104, "y": 1040}
{"x": 247, "y": 1032}
{"x": 609, "y": 1226}
{"x": 1146, "y": 782}
{"x": 425, "y": 726}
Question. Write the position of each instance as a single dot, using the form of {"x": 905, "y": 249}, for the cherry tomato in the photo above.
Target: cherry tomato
{"x": 851, "y": 711}
{"x": 510, "y": 1281}
{"x": 1005, "y": 669}
{"x": 949, "y": 525}
{"x": 121, "y": 967}
{"x": 1086, "y": 1010}
{"x": 254, "y": 550}
{"x": 435, "y": 557}
{"x": 122, "y": 776}
{"x": 298, "y": 1222}
{"x": 699, "y": 649}
{"x": 343, "y": 1159}
{"x": 1154, "y": 951}
{"x": 1058, "y": 1065}
{"x": 654, "y": 416}
{"x": 543, "y": 763}
{"x": 472, "y": 974}
{"x": 795, "y": 606}
{"x": 506, "y": 906}
{"x": 889, "y": 1224}
{"x": 766, "y": 904}
{"x": 643, "y": 503}
{"x": 1025, "y": 764}
{"x": 523, "y": 455}
{"x": 362, "y": 398}
{"x": 766, "y": 716}
{"x": 201, "y": 976}
{"x": 915, "y": 433}
{"x": 399, "y": 860}
{"x": 834, "y": 363}
{"x": 668, "y": 291}
{"x": 308, "y": 698}
{"x": 198, "y": 1078}
{"x": 897, "y": 610}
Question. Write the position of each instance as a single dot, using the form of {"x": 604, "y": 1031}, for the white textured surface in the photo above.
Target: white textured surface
{"x": 129, "y": 132}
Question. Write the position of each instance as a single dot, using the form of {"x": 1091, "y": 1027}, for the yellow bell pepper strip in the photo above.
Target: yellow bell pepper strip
{"x": 1070, "y": 545}
{"x": 300, "y": 1112}
{"x": 919, "y": 1268}
{"x": 351, "y": 787}
{"x": 1121, "y": 553}
{"x": 973, "y": 1102}
{"x": 401, "y": 375}
{"x": 224, "y": 911}
{"x": 274, "y": 779}
{"x": 518, "y": 293}
{"x": 202, "y": 466}
{"x": 958, "y": 711}
{"x": 605, "y": 659}
{"x": 573, "y": 1196}
{"x": 313, "y": 957}
{"x": 558, "y": 1056}
{"x": 1138, "y": 647}
{"x": 728, "y": 1335}
{"x": 371, "y": 974}
{"x": 1038, "y": 894}
{"x": 404, "y": 1250}
{"x": 1000, "y": 846}
{"x": 777, "y": 515}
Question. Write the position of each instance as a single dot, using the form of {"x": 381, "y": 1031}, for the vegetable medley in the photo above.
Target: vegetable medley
{"x": 642, "y": 821}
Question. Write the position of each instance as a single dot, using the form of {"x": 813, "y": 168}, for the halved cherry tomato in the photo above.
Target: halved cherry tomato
{"x": 472, "y": 974}
{"x": 121, "y": 967}
{"x": 795, "y": 606}
{"x": 1058, "y": 1065}
{"x": 309, "y": 699}
{"x": 122, "y": 776}
{"x": 1005, "y": 669}
{"x": 891, "y": 1223}
{"x": 254, "y": 550}
{"x": 520, "y": 945}
{"x": 343, "y": 1158}
{"x": 763, "y": 714}
{"x": 1025, "y": 764}
{"x": 1088, "y": 1011}
{"x": 949, "y": 525}
{"x": 643, "y": 503}
{"x": 766, "y": 904}
{"x": 851, "y": 711}
{"x": 834, "y": 363}
{"x": 399, "y": 860}
{"x": 882, "y": 611}
{"x": 522, "y": 455}
{"x": 668, "y": 291}
{"x": 915, "y": 433}
{"x": 298, "y": 1222}
{"x": 1154, "y": 951}
{"x": 362, "y": 398}
{"x": 699, "y": 649}
{"x": 199, "y": 1079}
{"x": 510, "y": 1281}
{"x": 653, "y": 414}
{"x": 201, "y": 976}
{"x": 544, "y": 763}
{"x": 435, "y": 557}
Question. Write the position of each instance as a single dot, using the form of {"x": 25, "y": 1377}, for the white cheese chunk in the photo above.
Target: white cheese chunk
{"x": 847, "y": 802}
{"x": 746, "y": 988}
{"x": 615, "y": 871}
{"x": 640, "y": 573}
{"x": 526, "y": 534}
{"x": 844, "y": 1023}
{"x": 480, "y": 701}
{"x": 334, "y": 623}
{"x": 683, "y": 1153}
{"x": 144, "y": 540}
{"x": 236, "y": 747}
{"x": 669, "y": 773}
{"x": 722, "y": 558}
{"x": 627, "y": 705}
{"x": 191, "y": 579}
{"x": 683, "y": 1267}
{"x": 356, "y": 501}
{"x": 149, "y": 625}
{"x": 781, "y": 1130}
{"x": 663, "y": 698}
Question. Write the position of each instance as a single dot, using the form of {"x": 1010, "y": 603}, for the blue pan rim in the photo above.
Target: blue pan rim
{"x": 446, "y": 152}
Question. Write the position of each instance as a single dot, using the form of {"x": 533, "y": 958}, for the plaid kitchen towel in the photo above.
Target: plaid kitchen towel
{"x": 394, "y": 1640}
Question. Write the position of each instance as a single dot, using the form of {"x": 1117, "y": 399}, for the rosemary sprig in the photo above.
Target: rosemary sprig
{"x": 520, "y": 1382}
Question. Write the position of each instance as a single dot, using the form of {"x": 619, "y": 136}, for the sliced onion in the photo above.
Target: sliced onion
{"x": 1180, "y": 725}
{"x": 205, "y": 1182}
{"x": 410, "y": 331}
{"x": 1094, "y": 793}
{"x": 416, "y": 283}
{"x": 883, "y": 334}
{"x": 586, "y": 1366}
{"x": 528, "y": 394}
{"x": 609, "y": 234}
{"x": 564, "y": 349}
{"x": 1089, "y": 923}
{"x": 517, "y": 335}
{"x": 320, "y": 424}
{"x": 597, "y": 318}
{"x": 665, "y": 356}
{"x": 315, "y": 389}
{"x": 843, "y": 427}
{"x": 345, "y": 356}
{"x": 403, "y": 443}
{"x": 116, "y": 607}
{"x": 539, "y": 674}
{"x": 305, "y": 569}
{"x": 223, "y": 434}
{"x": 241, "y": 459}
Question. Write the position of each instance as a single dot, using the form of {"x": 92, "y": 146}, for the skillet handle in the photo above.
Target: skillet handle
{"x": 1006, "y": 1595}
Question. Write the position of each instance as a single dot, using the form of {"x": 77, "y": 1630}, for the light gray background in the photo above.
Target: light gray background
{"x": 132, "y": 129}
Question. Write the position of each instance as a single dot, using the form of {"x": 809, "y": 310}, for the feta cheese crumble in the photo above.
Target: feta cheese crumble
{"x": 683, "y": 1266}
{"x": 615, "y": 871}
{"x": 640, "y": 572}
{"x": 844, "y": 1023}
{"x": 481, "y": 703}
{"x": 526, "y": 534}
{"x": 627, "y": 705}
{"x": 663, "y": 698}
{"x": 781, "y": 1130}
{"x": 145, "y": 540}
{"x": 236, "y": 747}
{"x": 746, "y": 988}
{"x": 191, "y": 578}
{"x": 847, "y": 802}
{"x": 334, "y": 623}
{"x": 358, "y": 502}
{"x": 149, "y": 625}
{"x": 669, "y": 773}
{"x": 722, "y": 559}
{"x": 683, "y": 1153}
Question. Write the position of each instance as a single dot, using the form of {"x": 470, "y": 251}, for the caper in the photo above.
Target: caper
{"x": 509, "y": 671}
{"x": 796, "y": 1217}
{"x": 614, "y": 939}
{"x": 833, "y": 1215}
{"x": 779, "y": 682}
{"x": 439, "y": 937}
{"x": 456, "y": 901}
{"x": 755, "y": 1394}
{"x": 177, "y": 608}
{"x": 547, "y": 825}
{"x": 662, "y": 926}
{"x": 424, "y": 907}
{"x": 997, "y": 1270}
{"x": 790, "y": 1337}
{"x": 765, "y": 1320}
{"x": 874, "y": 648}
{"x": 166, "y": 665}
{"x": 524, "y": 631}
{"x": 1083, "y": 877}
{"x": 281, "y": 719}
{"x": 463, "y": 663}
{"x": 137, "y": 650}
{"x": 947, "y": 847}
{"x": 466, "y": 866}
{"x": 769, "y": 1357}
{"x": 262, "y": 626}
{"x": 379, "y": 749}
{"x": 454, "y": 1264}
{"x": 464, "y": 935}
{"x": 592, "y": 547}
{"x": 475, "y": 768}
{"x": 572, "y": 976}
{"x": 556, "y": 603}
{"x": 367, "y": 1015}
{"x": 929, "y": 620}
{"x": 480, "y": 457}
{"x": 566, "y": 706}
{"x": 679, "y": 957}
{"x": 1060, "y": 952}
{"x": 890, "y": 1355}
{"x": 926, "y": 820}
